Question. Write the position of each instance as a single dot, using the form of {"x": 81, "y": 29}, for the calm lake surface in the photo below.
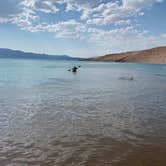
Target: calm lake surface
{"x": 107, "y": 114}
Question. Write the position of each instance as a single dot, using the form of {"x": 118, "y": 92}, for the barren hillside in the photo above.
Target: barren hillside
{"x": 154, "y": 55}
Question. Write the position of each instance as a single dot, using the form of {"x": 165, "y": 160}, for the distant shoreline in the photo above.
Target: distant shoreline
{"x": 17, "y": 54}
{"x": 151, "y": 56}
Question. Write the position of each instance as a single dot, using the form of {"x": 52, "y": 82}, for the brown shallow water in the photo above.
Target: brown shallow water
{"x": 48, "y": 118}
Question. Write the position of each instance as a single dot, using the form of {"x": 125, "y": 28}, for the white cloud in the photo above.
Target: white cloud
{"x": 46, "y": 6}
{"x": 92, "y": 12}
{"x": 66, "y": 29}
{"x": 123, "y": 39}
{"x": 135, "y": 4}
{"x": 114, "y": 11}
{"x": 123, "y": 22}
{"x": 69, "y": 7}
{"x": 25, "y": 19}
{"x": 108, "y": 13}
{"x": 163, "y": 35}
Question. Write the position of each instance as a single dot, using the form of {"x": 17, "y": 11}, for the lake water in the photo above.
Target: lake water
{"x": 107, "y": 114}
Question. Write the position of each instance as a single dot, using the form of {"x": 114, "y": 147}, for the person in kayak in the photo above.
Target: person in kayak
{"x": 74, "y": 69}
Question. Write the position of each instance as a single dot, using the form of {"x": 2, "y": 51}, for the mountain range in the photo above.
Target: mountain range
{"x": 16, "y": 54}
{"x": 154, "y": 55}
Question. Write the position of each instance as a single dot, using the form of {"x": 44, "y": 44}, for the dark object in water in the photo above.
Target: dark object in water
{"x": 74, "y": 69}
{"x": 127, "y": 78}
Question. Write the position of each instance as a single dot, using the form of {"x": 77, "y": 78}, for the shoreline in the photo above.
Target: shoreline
{"x": 150, "y": 56}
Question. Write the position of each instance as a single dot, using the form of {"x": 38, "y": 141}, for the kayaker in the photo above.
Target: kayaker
{"x": 74, "y": 69}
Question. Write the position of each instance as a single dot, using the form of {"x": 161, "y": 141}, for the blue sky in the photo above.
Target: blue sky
{"x": 82, "y": 28}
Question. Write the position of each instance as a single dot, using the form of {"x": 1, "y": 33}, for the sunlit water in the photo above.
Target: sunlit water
{"x": 106, "y": 114}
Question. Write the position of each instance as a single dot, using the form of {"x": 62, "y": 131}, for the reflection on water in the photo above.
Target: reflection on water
{"x": 49, "y": 116}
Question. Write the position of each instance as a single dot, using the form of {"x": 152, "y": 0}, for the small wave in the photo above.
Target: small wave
{"x": 160, "y": 75}
{"x": 126, "y": 78}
